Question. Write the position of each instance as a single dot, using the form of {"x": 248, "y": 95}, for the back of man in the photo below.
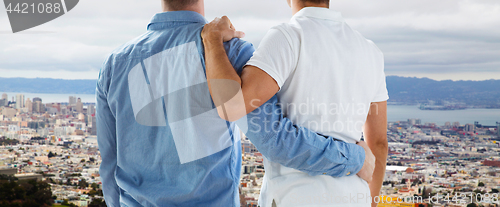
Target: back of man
{"x": 328, "y": 76}
{"x": 162, "y": 142}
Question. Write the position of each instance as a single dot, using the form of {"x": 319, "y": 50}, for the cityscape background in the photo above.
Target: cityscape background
{"x": 449, "y": 152}
{"x": 442, "y": 59}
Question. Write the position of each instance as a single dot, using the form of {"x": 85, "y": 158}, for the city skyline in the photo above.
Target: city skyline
{"x": 448, "y": 39}
{"x": 56, "y": 143}
{"x": 396, "y": 111}
{"x": 424, "y": 159}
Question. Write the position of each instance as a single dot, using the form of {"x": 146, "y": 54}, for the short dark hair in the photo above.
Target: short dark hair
{"x": 179, "y": 4}
{"x": 327, "y": 2}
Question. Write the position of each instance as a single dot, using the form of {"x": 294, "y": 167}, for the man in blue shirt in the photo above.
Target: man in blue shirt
{"x": 161, "y": 140}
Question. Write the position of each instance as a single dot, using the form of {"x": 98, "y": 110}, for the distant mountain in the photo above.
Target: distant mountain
{"x": 420, "y": 90}
{"x": 401, "y": 89}
{"x": 47, "y": 85}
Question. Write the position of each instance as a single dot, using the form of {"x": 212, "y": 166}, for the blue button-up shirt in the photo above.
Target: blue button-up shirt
{"x": 161, "y": 140}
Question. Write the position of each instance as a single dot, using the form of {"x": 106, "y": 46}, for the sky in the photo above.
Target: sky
{"x": 445, "y": 39}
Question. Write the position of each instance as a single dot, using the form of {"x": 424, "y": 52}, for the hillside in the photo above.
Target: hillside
{"x": 401, "y": 89}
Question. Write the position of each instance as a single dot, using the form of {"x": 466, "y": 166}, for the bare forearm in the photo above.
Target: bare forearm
{"x": 223, "y": 81}
{"x": 380, "y": 152}
{"x": 375, "y": 132}
{"x": 218, "y": 66}
{"x": 234, "y": 96}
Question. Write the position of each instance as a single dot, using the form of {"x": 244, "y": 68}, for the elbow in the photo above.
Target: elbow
{"x": 382, "y": 144}
{"x": 384, "y": 147}
{"x": 230, "y": 113}
{"x": 223, "y": 115}
{"x": 378, "y": 144}
{"x": 230, "y": 106}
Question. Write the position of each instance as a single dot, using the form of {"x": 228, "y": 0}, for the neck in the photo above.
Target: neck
{"x": 198, "y": 7}
{"x": 298, "y": 5}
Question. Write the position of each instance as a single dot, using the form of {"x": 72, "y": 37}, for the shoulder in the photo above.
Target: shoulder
{"x": 122, "y": 52}
{"x": 374, "y": 47}
{"x": 292, "y": 27}
{"x": 125, "y": 50}
{"x": 369, "y": 43}
{"x": 287, "y": 29}
{"x": 289, "y": 32}
{"x": 119, "y": 53}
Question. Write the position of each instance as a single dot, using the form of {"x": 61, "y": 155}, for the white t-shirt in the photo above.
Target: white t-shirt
{"x": 328, "y": 75}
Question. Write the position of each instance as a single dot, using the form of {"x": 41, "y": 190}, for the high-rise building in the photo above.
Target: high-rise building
{"x": 469, "y": 127}
{"x": 79, "y": 106}
{"x": 64, "y": 110}
{"x": 5, "y": 100}
{"x": 29, "y": 105}
{"x": 498, "y": 129}
{"x": 19, "y": 101}
{"x": 94, "y": 127}
{"x": 72, "y": 100}
{"x": 38, "y": 106}
{"x": 90, "y": 110}
{"x": 412, "y": 122}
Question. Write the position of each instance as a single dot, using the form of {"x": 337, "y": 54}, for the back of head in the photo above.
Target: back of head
{"x": 176, "y": 5}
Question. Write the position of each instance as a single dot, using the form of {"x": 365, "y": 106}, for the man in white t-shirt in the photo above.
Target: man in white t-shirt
{"x": 328, "y": 78}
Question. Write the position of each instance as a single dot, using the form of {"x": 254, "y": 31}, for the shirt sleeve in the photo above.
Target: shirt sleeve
{"x": 239, "y": 52}
{"x": 300, "y": 148}
{"x": 106, "y": 138}
{"x": 382, "y": 94}
{"x": 275, "y": 56}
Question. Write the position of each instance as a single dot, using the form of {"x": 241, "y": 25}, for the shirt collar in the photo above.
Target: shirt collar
{"x": 320, "y": 13}
{"x": 178, "y": 16}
